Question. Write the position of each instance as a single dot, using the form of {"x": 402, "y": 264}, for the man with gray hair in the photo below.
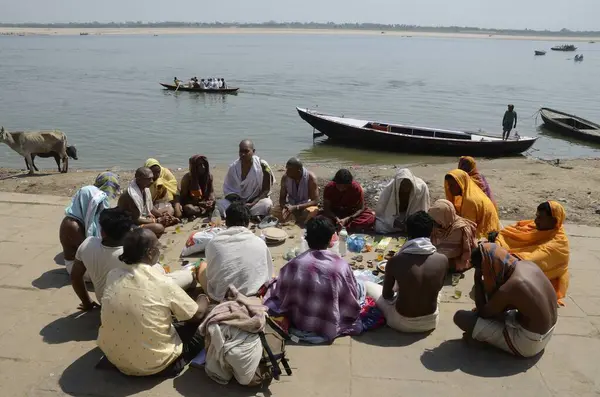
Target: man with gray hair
{"x": 299, "y": 194}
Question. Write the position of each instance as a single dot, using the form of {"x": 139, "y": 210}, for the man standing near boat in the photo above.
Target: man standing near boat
{"x": 510, "y": 118}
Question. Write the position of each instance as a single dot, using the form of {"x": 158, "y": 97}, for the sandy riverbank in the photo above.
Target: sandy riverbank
{"x": 186, "y": 31}
{"x": 518, "y": 184}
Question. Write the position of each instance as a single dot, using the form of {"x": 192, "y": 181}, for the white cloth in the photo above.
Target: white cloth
{"x": 387, "y": 210}
{"x": 99, "y": 260}
{"x": 510, "y": 336}
{"x": 144, "y": 206}
{"x": 250, "y": 187}
{"x": 69, "y": 267}
{"x": 418, "y": 246}
{"x": 262, "y": 208}
{"x": 183, "y": 278}
{"x": 237, "y": 257}
{"x": 397, "y": 321}
{"x": 220, "y": 83}
{"x": 232, "y": 352}
{"x": 297, "y": 193}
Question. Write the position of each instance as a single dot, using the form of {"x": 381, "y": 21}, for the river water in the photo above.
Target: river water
{"x": 103, "y": 92}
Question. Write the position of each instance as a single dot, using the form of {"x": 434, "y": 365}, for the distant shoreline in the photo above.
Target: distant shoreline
{"x": 25, "y": 31}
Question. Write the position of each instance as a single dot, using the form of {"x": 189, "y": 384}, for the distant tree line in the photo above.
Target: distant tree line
{"x": 303, "y": 25}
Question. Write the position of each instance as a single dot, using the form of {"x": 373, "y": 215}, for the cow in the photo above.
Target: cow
{"x": 71, "y": 152}
{"x": 28, "y": 143}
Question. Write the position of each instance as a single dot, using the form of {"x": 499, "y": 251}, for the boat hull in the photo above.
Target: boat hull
{"x": 561, "y": 126}
{"x": 381, "y": 140}
{"x": 172, "y": 87}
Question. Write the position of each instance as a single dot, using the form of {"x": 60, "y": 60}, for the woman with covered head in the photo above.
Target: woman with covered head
{"x": 468, "y": 165}
{"x": 402, "y": 197}
{"x": 453, "y": 235}
{"x": 471, "y": 202}
{"x": 164, "y": 189}
{"x": 197, "y": 193}
{"x": 544, "y": 242}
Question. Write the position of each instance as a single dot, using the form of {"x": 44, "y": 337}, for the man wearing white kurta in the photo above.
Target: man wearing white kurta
{"x": 249, "y": 180}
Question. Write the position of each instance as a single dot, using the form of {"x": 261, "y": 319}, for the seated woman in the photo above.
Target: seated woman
{"x": 197, "y": 195}
{"x": 317, "y": 291}
{"x": 402, "y": 197}
{"x": 81, "y": 221}
{"x": 544, "y": 242}
{"x": 471, "y": 203}
{"x": 452, "y": 235}
{"x": 468, "y": 165}
{"x": 344, "y": 203}
{"x": 163, "y": 189}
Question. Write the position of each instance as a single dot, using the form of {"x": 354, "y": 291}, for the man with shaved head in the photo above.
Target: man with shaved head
{"x": 299, "y": 194}
{"x": 137, "y": 199}
{"x": 248, "y": 180}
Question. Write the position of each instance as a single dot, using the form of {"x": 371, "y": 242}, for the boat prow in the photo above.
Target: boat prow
{"x": 412, "y": 139}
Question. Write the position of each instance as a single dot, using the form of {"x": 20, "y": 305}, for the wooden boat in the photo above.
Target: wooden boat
{"x": 228, "y": 90}
{"x": 578, "y": 58}
{"x": 412, "y": 139}
{"x": 570, "y": 125}
{"x": 564, "y": 47}
{"x": 537, "y": 52}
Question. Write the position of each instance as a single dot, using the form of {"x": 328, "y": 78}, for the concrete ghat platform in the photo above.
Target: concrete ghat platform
{"x": 47, "y": 348}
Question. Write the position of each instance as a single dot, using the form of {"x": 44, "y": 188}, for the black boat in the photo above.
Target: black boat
{"x": 564, "y": 47}
{"x": 570, "y": 125}
{"x": 228, "y": 90}
{"x": 537, "y": 52}
{"x": 412, "y": 139}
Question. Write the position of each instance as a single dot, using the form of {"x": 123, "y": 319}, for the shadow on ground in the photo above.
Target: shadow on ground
{"x": 387, "y": 337}
{"x": 482, "y": 361}
{"x": 59, "y": 258}
{"x": 195, "y": 382}
{"x": 76, "y": 327}
{"x": 55, "y": 278}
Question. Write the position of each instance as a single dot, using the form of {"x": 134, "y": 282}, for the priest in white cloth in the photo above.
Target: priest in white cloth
{"x": 403, "y": 196}
{"x": 249, "y": 180}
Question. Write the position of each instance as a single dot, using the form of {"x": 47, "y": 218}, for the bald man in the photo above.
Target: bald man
{"x": 137, "y": 200}
{"x": 248, "y": 180}
{"x": 299, "y": 194}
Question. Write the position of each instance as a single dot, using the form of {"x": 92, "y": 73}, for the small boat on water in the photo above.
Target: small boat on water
{"x": 578, "y": 58}
{"x": 564, "y": 47}
{"x": 228, "y": 90}
{"x": 412, "y": 139}
{"x": 537, "y": 52}
{"x": 570, "y": 125}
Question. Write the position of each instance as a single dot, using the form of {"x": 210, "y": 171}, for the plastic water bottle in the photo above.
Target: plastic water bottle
{"x": 343, "y": 238}
{"x": 215, "y": 218}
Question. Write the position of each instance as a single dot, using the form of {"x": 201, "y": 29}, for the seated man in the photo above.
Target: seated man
{"x": 248, "y": 180}
{"x": 317, "y": 291}
{"x": 137, "y": 200}
{"x": 235, "y": 256}
{"x": 453, "y": 236}
{"x": 344, "y": 203}
{"x": 137, "y": 334}
{"x": 197, "y": 193}
{"x": 516, "y": 304}
{"x": 402, "y": 197}
{"x": 419, "y": 272}
{"x": 544, "y": 242}
{"x": 99, "y": 255}
{"x": 299, "y": 195}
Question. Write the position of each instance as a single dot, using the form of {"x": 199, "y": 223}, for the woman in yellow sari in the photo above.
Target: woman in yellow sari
{"x": 471, "y": 202}
{"x": 468, "y": 165}
{"x": 544, "y": 242}
{"x": 164, "y": 189}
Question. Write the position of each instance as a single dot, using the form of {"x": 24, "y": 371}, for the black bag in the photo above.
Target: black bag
{"x": 273, "y": 339}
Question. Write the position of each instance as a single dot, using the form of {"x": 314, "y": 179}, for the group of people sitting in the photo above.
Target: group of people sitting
{"x": 210, "y": 83}
{"x": 520, "y": 271}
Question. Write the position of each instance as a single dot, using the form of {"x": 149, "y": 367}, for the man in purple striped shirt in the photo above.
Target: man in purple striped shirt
{"x": 317, "y": 291}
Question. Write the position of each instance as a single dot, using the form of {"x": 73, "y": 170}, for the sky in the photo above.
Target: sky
{"x": 507, "y": 14}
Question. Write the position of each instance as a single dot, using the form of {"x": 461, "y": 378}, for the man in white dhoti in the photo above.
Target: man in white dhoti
{"x": 403, "y": 196}
{"x": 249, "y": 180}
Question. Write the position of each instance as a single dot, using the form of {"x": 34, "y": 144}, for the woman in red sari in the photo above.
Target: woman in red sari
{"x": 344, "y": 203}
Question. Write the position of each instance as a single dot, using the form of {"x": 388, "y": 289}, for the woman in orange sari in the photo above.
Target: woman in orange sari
{"x": 471, "y": 202}
{"x": 468, "y": 165}
{"x": 544, "y": 242}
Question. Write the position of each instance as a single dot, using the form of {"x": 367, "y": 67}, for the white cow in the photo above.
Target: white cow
{"x": 28, "y": 143}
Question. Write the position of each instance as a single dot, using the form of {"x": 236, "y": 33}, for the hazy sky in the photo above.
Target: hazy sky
{"x": 533, "y": 14}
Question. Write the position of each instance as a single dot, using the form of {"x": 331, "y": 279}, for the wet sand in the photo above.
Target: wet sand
{"x": 519, "y": 185}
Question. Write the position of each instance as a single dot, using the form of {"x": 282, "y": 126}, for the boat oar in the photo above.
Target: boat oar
{"x": 177, "y": 87}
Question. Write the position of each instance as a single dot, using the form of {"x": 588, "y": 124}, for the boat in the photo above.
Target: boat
{"x": 578, "y": 58}
{"x": 412, "y": 139}
{"x": 564, "y": 47}
{"x": 537, "y": 52}
{"x": 228, "y": 90}
{"x": 570, "y": 125}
